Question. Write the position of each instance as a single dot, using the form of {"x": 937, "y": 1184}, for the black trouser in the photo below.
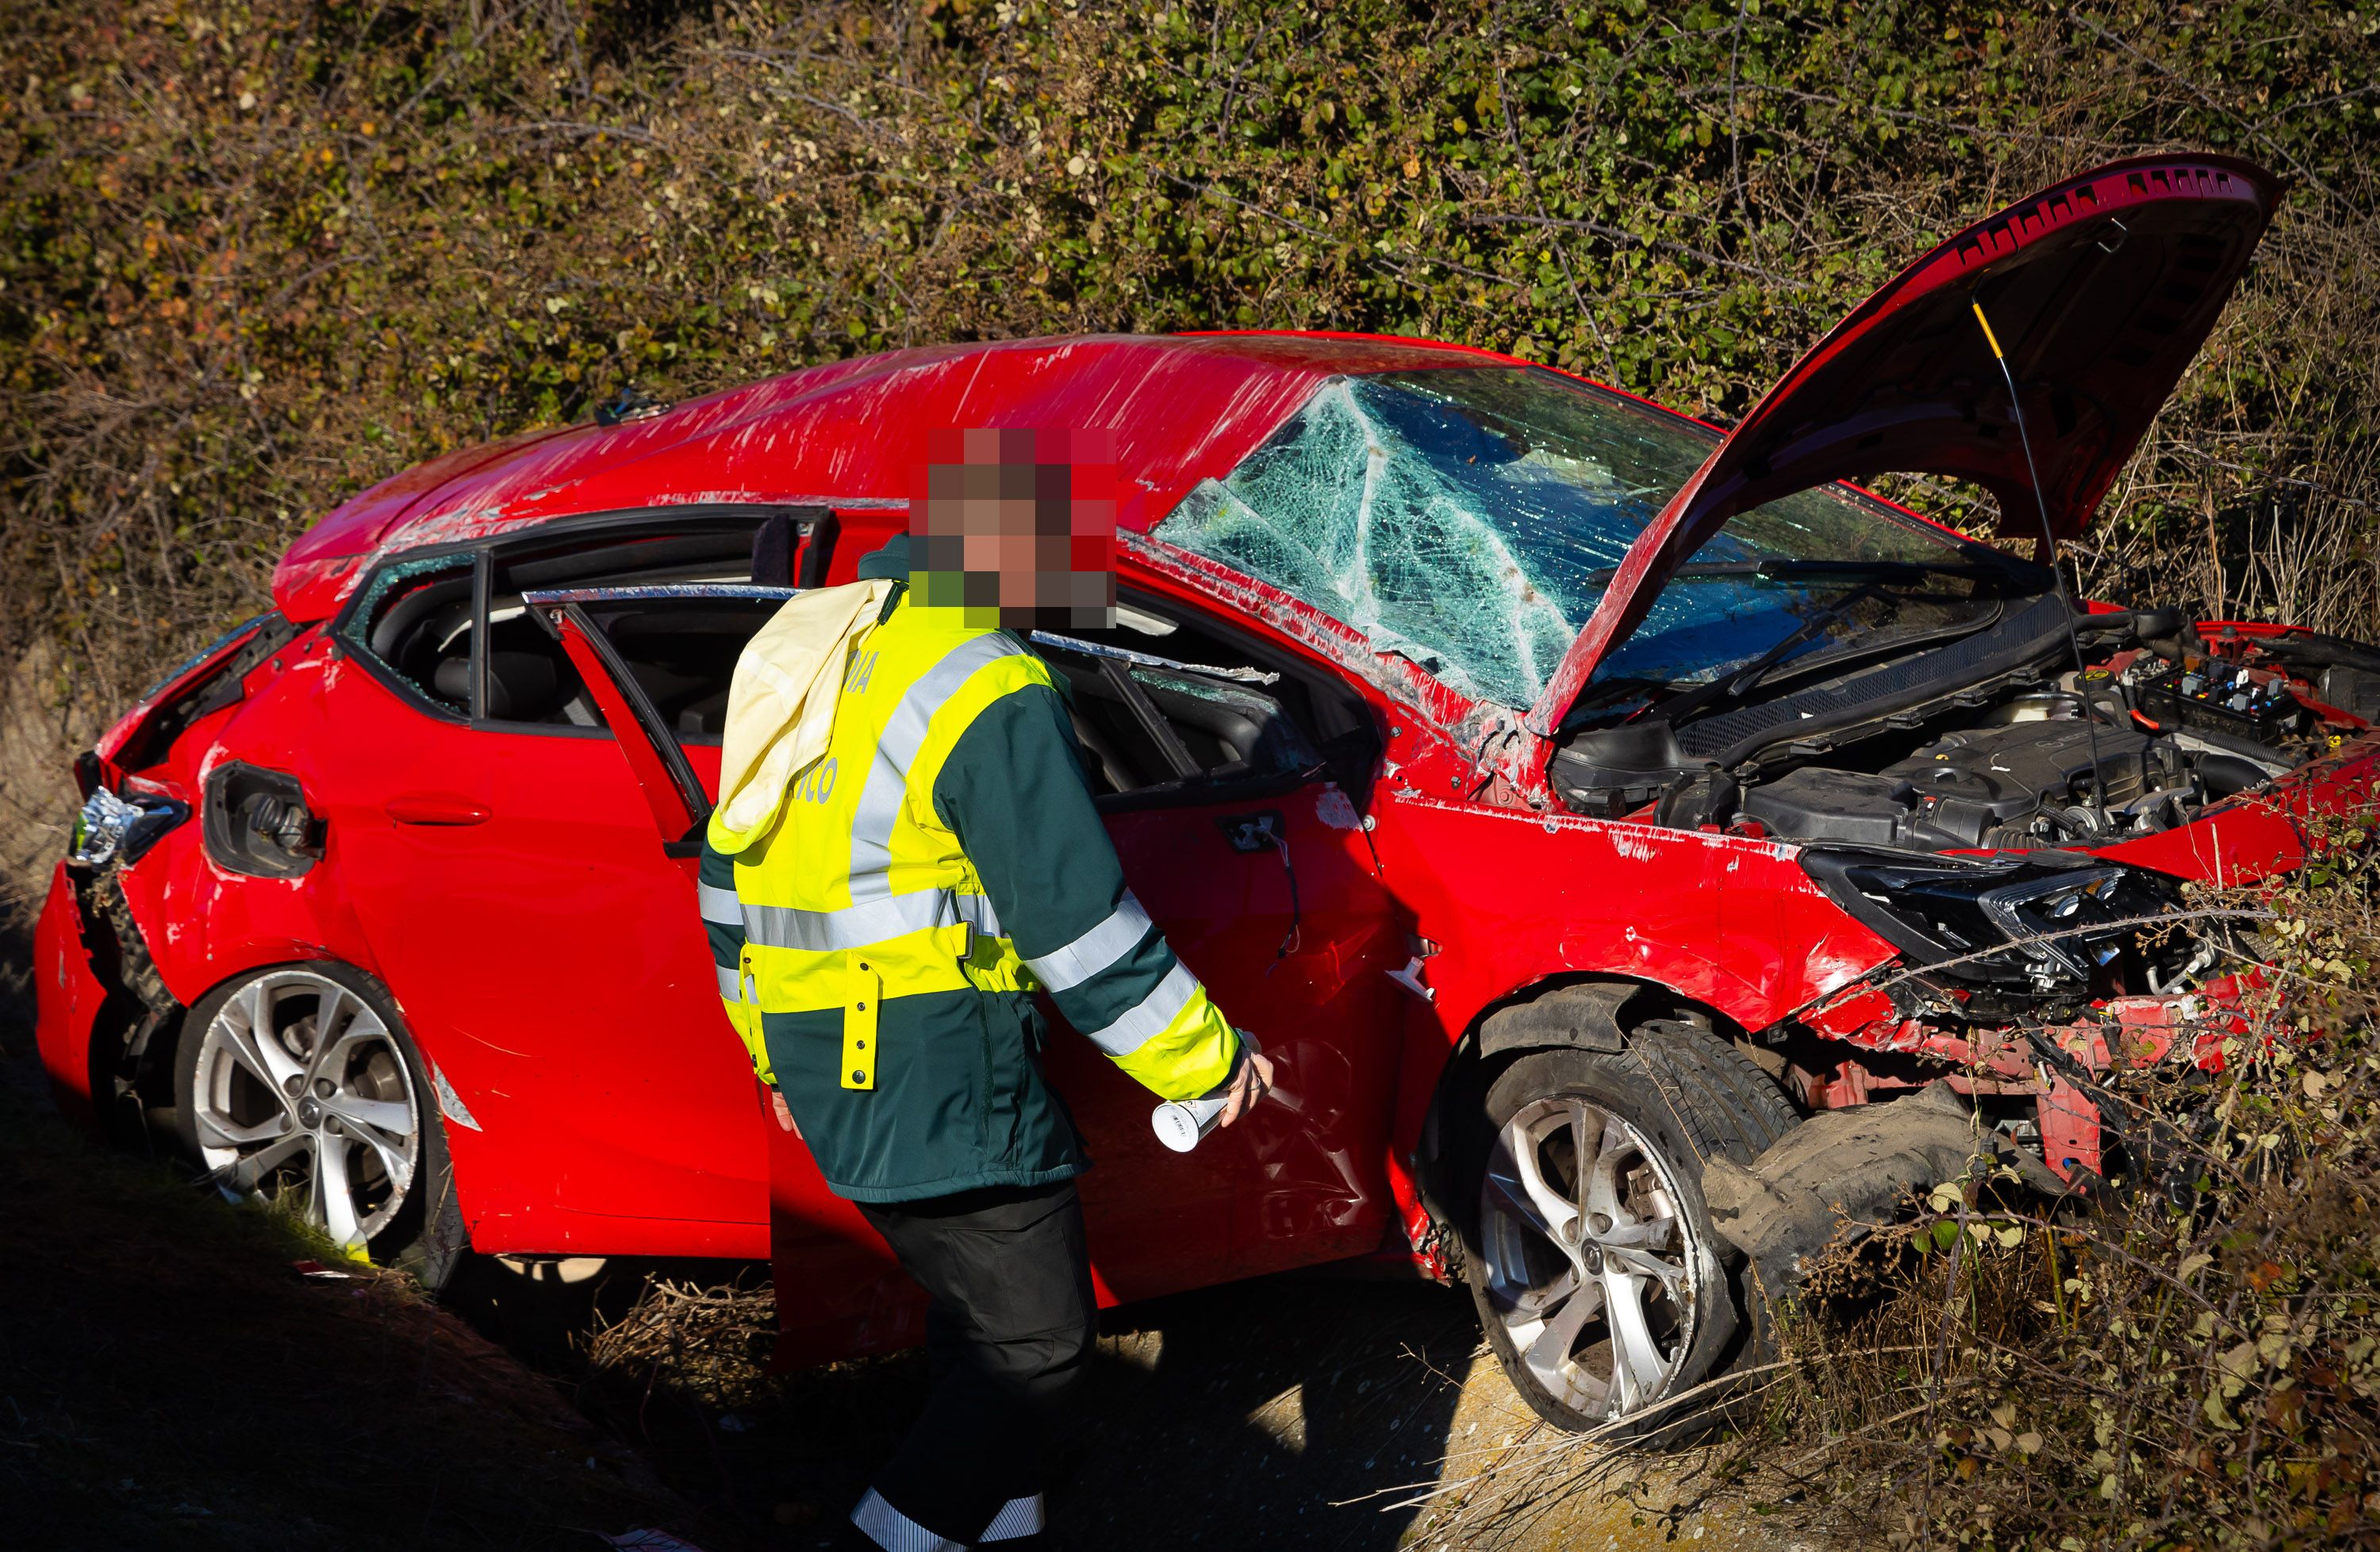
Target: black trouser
{"x": 1008, "y": 1335}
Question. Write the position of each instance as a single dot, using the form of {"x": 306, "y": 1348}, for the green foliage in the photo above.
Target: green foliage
{"x": 255, "y": 255}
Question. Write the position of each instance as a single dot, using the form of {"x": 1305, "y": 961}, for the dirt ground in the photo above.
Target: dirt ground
{"x": 167, "y": 1377}
{"x": 1305, "y": 1411}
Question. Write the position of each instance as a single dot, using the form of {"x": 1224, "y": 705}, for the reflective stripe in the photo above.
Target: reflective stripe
{"x": 729, "y": 987}
{"x": 718, "y": 905}
{"x": 1017, "y": 1518}
{"x": 1061, "y": 969}
{"x": 976, "y": 912}
{"x": 865, "y": 925}
{"x": 1147, "y": 1019}
{"x": 905, "y": 735}
{"x": 895, "y": 1532}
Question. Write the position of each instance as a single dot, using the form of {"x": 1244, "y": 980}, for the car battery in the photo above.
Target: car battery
{"x": 2215, "y": 696}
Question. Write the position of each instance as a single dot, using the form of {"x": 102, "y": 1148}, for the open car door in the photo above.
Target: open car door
{"x": 838, "y": 1287}
{"x": 1246, "y": 854}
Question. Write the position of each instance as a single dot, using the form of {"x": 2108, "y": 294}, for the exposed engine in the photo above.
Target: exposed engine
{"x": 2044, "y": 776}
{"x": 2163, "y": 722}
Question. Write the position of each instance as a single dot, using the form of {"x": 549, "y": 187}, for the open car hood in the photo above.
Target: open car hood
{"x": 2101, "y": 289}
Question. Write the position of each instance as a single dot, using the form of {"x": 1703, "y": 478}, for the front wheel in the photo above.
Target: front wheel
{"x": 1600, "y": 1283}
{"x": 298, "y": 1085}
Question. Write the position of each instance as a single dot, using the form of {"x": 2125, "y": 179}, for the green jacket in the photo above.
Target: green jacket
{"x": 879, "y": 941}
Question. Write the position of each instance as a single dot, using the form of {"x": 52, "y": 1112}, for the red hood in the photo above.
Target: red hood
{"x": 2101, "y": 290}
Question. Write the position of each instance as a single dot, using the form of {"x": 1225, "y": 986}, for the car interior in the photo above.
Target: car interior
{"x": 1164, "y": 704}
{"x": 417, "y": 619}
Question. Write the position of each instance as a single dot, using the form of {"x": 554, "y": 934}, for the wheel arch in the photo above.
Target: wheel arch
{"x": 1581, "y": 1010}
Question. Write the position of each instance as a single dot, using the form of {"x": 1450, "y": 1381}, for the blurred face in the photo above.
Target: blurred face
{"x": 1016, "y": 528}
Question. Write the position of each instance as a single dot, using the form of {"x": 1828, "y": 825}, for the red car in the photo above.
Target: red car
{"x": 1565, "y": 794}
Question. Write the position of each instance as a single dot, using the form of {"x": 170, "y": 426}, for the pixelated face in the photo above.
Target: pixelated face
{"x": 1017, "y": 527}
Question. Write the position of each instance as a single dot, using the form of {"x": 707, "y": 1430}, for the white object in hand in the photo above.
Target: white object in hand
{"x": 1180, "y": 1122}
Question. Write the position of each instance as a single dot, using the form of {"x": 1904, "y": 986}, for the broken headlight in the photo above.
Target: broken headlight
{"x": 2043, "y": 921}
{"x": 112, "y": 828}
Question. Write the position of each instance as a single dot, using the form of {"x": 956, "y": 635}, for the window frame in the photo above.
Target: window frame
{"x": 349, "y": 632}
{"x": 1190, "y": 794}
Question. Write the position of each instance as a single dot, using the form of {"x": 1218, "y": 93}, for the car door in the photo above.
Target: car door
{"x": 1245, "y": 847}
{"x": 503, "y": 870}
{"x": 1261, "y": 876}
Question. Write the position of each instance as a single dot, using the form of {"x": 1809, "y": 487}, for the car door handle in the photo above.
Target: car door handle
{"x": 435, "y": 808}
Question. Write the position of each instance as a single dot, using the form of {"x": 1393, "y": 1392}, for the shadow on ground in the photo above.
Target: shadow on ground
{"x": 168, "y": 1378}
{"x": 1265, "y": 1414}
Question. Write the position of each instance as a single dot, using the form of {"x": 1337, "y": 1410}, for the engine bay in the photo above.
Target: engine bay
{"x": 2164, "y": 719}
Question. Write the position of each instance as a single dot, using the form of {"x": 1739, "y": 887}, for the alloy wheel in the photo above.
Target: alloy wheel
{"x": 1589, "y": 1262}
{"x": 302, "y": 1094}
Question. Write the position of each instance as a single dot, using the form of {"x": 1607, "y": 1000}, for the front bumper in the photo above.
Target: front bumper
{"x": 2057, "y": 1065}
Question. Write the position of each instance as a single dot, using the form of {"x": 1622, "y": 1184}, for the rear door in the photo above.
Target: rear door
{"x": 1237, "y": 836}
{"x": 500, "y": 859}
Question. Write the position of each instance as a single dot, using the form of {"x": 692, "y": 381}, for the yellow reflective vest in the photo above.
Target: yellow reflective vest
{"x": 882, "y": 919}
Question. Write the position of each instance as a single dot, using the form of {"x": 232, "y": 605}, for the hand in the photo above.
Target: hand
{"x": 1249, "y": 1082}
{"x": 784, "y": 1112}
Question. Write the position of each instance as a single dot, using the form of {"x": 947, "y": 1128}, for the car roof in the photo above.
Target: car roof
{"x": 1181, "y": 409}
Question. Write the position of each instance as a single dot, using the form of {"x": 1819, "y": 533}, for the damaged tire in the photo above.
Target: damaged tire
{"x": 1600, "y": 1282}
{"x": 298, "y": 1085}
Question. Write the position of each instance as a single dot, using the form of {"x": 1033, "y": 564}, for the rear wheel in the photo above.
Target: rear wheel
{"x": 1600, "y": 1280}
{"x": 298, "y": 1085}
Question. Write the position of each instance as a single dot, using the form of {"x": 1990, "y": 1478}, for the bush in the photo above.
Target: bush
{"x": 254, "y": 256}
{"x": 2196, "y": 1362}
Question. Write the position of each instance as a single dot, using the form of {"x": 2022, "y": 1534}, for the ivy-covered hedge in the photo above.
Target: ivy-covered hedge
{"x": 255, "y": 255}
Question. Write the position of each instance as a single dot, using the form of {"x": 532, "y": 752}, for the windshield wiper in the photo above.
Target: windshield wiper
{"x": 1873, "y": 641}
{"x": 1745, "y": 678}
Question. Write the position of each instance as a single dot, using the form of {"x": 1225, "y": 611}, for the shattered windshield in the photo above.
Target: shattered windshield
{"x": 1469, "y": 518}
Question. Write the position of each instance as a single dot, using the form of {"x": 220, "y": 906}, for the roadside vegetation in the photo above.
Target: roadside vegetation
{"x": 254, "y": 256}
{"x": 2195, "y": 1362}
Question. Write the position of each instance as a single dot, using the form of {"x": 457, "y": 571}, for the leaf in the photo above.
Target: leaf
{"x": 1945, "y": 1233}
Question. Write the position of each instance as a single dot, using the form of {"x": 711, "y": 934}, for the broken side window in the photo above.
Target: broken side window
{"x": 414, "y": 620}
{"x": 682, "y": 653}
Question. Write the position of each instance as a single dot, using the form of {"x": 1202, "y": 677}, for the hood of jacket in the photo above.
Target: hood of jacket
{"x": 781, "y": 703}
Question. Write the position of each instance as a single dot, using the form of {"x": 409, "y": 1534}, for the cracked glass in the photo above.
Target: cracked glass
{"x": 1469, "y": 519}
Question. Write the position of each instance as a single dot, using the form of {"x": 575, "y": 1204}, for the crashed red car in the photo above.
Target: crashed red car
{"x": 1568, "y": 796}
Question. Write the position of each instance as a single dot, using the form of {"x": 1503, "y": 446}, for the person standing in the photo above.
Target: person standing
{"x": 884, "y": 896}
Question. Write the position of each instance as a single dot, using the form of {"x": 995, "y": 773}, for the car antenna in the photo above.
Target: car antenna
{"x": 2057, "y": 575}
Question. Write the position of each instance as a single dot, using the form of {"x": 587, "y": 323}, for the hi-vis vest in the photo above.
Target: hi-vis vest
{"x": 879, "y": 931}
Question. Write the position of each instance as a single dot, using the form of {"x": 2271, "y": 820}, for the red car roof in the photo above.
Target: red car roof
{"x": 1183, "y": 408}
